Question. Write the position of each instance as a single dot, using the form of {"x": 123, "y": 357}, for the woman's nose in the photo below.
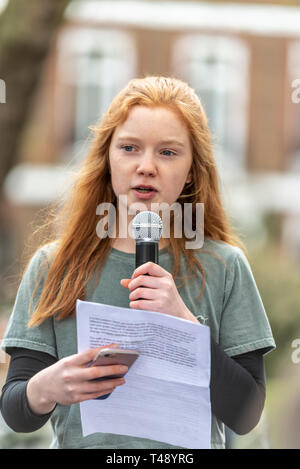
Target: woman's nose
{"x": 147, "y": 165}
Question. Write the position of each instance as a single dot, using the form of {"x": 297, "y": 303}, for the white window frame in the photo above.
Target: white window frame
{"x": 91, "y": 57}
{"x": 219, "y": 65}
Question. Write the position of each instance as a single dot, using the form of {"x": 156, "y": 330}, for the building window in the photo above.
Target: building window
{"x": 293, "y": 72}
{"x": 93, "y": 66}
{"x": 218, "y": 68}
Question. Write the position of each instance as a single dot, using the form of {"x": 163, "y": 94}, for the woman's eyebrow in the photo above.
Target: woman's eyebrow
{"x": 172, "y": 141}
{"x": 169, "y": 141}
{"x": 127, "y": 137}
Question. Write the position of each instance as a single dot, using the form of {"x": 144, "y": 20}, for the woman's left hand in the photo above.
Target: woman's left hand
{"x": 160, "y": 293}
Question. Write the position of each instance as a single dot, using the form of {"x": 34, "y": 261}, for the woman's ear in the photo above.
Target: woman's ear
{"x": 189, "y": 178}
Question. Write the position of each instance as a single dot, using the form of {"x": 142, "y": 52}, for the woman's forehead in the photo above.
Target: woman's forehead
{"x": 160, "y": 119}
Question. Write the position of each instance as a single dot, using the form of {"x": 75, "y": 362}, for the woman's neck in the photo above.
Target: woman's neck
{"x": 129, "y": 245}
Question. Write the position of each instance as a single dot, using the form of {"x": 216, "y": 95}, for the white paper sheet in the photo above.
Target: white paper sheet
{"x": 166, "y": 396}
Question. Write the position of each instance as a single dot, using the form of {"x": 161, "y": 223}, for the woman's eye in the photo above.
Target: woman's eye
{"x": 127, "y": 148}
{"x": 168, "y": 152}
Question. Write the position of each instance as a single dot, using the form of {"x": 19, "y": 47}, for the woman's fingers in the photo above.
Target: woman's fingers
{"x": 87, "y": 356}
{"x": 95, "y": 395}
{"x": 142, "y": 280}
{"x": 102, "y": 386}
{"x": 150, "y": 268}
{"x": 153, "y": 271}
{"x": 125, "y": 282}
{"x": 96, "y": 372}
{"x": 143, "y": 293}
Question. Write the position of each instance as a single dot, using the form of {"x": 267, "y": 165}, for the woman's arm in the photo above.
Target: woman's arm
{"x": 36, "y": 382}
{"x": 237, "y": 389}
{"x": 14, "y": 405}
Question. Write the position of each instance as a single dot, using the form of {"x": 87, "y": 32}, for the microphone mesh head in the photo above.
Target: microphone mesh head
{"x": 147, "y": 226}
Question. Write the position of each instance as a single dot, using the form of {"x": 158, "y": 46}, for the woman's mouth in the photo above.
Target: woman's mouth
{"x": 144, "y": 193}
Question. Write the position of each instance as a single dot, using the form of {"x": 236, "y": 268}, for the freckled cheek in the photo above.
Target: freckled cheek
{"x": 121, "y": 165}
{"x": 120, "y": 175}
{"x": 176, "y": 185}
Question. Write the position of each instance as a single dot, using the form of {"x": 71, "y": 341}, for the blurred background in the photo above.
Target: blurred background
{"x": 62, "y": 61}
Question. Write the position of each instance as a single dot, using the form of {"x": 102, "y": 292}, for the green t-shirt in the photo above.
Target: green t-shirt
{"x": 231, "y": 306}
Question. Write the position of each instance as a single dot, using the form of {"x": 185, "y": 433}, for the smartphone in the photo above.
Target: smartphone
{"x": 114, "y": 356}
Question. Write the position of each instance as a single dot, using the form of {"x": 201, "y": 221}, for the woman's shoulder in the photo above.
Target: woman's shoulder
{"x": 43, "y": 254}
{"x": 48, "y": 249}
{"x": 227, "y": 252}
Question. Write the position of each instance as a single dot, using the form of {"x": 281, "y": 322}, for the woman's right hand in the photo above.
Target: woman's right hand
{"x": 70, "y": 381}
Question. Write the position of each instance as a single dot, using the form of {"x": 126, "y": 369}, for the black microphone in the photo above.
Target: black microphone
{"x": 146, "y": 230}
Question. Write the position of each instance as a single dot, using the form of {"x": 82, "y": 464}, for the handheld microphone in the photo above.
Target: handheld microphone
{"x": 146, "y": 230}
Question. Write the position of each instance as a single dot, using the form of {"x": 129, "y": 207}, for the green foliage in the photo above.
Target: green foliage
{"x": 39, "y": 439}
{"x": 278, "y": 280}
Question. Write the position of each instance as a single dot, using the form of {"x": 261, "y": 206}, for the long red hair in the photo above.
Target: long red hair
{"x": 79, "y": 253}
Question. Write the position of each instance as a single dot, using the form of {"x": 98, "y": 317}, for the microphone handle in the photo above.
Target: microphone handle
{"x": 146, "y": 251}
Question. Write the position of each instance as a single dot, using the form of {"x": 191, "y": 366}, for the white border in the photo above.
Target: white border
{"x": 264, "y": 20}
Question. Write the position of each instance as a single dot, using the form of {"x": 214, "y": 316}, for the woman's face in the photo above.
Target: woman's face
{"x": 151, "y": 148}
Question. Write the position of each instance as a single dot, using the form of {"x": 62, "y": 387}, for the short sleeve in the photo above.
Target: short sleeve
{"x": 18, "y": 334}
{"x": 244, "y": 324}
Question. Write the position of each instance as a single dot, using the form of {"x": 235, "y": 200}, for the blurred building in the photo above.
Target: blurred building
{"x": 243, "y": 61}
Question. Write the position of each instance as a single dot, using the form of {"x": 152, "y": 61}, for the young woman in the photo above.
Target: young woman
{"x": 154, "y": 133}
